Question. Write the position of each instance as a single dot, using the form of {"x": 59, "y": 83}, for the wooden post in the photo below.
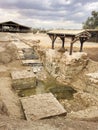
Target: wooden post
{"x": 63, "y": 42}
{"x": 81, "y": 43}
{"x": 81, "y": 47}
{"x": 53, "y": 38}
{"x": 52, "y": 44}
{"x": 2, "y": 28}
{"x": 71, "y": 46}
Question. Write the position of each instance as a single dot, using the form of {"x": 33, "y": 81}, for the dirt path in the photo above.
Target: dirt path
{"x": 56, "y": 123}
{"x": 9, "y": 98}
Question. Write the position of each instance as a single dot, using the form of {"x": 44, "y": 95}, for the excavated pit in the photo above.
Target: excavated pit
{"x": 43, "y": 86}
{"x": 58, "y": 90}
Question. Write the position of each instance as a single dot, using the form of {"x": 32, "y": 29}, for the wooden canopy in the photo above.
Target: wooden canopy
{"x": 11, "y": 26}
{"x": 75, "y": 35}
{"x": 94, "y": 35}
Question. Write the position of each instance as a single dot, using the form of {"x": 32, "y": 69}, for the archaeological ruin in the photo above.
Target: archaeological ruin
{"x": 48, "y": 88}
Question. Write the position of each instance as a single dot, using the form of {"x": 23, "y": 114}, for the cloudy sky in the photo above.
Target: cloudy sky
{"x": 68, "y": 14}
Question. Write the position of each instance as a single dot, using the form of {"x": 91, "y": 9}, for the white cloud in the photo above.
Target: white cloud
{"x": 55, "y": 24}
{"x": 12, "y": 1}
{"x": 91, "y": 6}
{"x": 47, "y": 13}
{"x": 6, "y": 15}
{"x": 78, "y": 5}
{"x": 65, "y": 2}
{"x": 79, "y": 14}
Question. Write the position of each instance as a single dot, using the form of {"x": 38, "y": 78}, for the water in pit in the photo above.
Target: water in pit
{"x": 59, "y": 91}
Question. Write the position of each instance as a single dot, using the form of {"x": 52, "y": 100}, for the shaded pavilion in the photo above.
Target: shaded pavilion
{"x": 11, "y": 26}
{"x": 94, "y": 35}
{"x": 75, "y": 35}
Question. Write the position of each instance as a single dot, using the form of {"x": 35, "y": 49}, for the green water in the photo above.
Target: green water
{"x": 59, "y": 91}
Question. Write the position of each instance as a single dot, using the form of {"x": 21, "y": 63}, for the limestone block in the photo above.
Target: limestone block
{"x": 31, "y": 62}
{"x": 23, "y": 79}
{"x": 92, "y": 83}
{"x": 41, "y": 106}
{"x": 64, "y": 66}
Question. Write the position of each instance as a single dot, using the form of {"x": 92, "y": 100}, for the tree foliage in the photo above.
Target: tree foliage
{"x": 91, "y": 22}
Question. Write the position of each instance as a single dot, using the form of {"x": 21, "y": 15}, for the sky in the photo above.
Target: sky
{"x": 48, "y": 14}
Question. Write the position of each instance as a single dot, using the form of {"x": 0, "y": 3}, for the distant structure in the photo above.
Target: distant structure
{"x": 94, "y": 35}
{"x": 75, "y": 35}
{"x": 11, "y": 26}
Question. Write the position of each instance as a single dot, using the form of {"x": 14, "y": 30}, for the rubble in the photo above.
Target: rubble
{"x": 8, "y": 53}
{"x": 3, "y": 109}
{"x": 81, "y": 101}
{"x": 10, "y": 104}
{"x": 86, "y": 99}
{"x": 89, "y": 114}
{"x": 7, "y": 123}
{"x": 65, "y": 67}
{"x": 19, "y": 44}
{"x": 92, "y": 83}
{"x": 76, "y": 71}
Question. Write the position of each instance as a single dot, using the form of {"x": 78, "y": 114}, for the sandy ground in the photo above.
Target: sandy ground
{"x": 9, "y": 98}
{"x": 56, "y": 123}
{"x": 45, "y": 42}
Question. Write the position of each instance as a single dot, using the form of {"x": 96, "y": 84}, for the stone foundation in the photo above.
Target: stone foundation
{"x": 92, "y": 83}
{"x": 23, "y": 79}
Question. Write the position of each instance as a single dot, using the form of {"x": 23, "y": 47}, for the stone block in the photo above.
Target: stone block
{"x": 41, "y": 106}
{"x": 23, "y": 79}
{"x": 32, "y": 62}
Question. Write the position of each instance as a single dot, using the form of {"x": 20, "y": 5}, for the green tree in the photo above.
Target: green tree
{"x": 91, "y": 22}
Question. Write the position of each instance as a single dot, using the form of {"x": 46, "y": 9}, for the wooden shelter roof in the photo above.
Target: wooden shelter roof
{"x": 67, "y": 32}
{"x": 13, "y": 24}
{"x": 75, "y": 35}
{"x": 92, "y": 30}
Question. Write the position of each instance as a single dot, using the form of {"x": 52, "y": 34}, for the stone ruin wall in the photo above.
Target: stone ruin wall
{"x": 70, "y": 70}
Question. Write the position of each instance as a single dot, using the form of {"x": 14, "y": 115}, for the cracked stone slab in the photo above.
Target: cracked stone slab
{"x": 41, "y": 106}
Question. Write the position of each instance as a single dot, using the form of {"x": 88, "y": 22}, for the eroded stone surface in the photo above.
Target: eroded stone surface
{"x": 11, "y": 104}
{"x": 92, "y": 83}
{"x": 90, "y": 114}
{"x": 32, "y": 62}
{"x": 23, "y": 79}
{"x": 81, "y": 101}
{"x": 65, "y": 67}
{"x": 23, "y": 74}
{"x": 41, "y": 106}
